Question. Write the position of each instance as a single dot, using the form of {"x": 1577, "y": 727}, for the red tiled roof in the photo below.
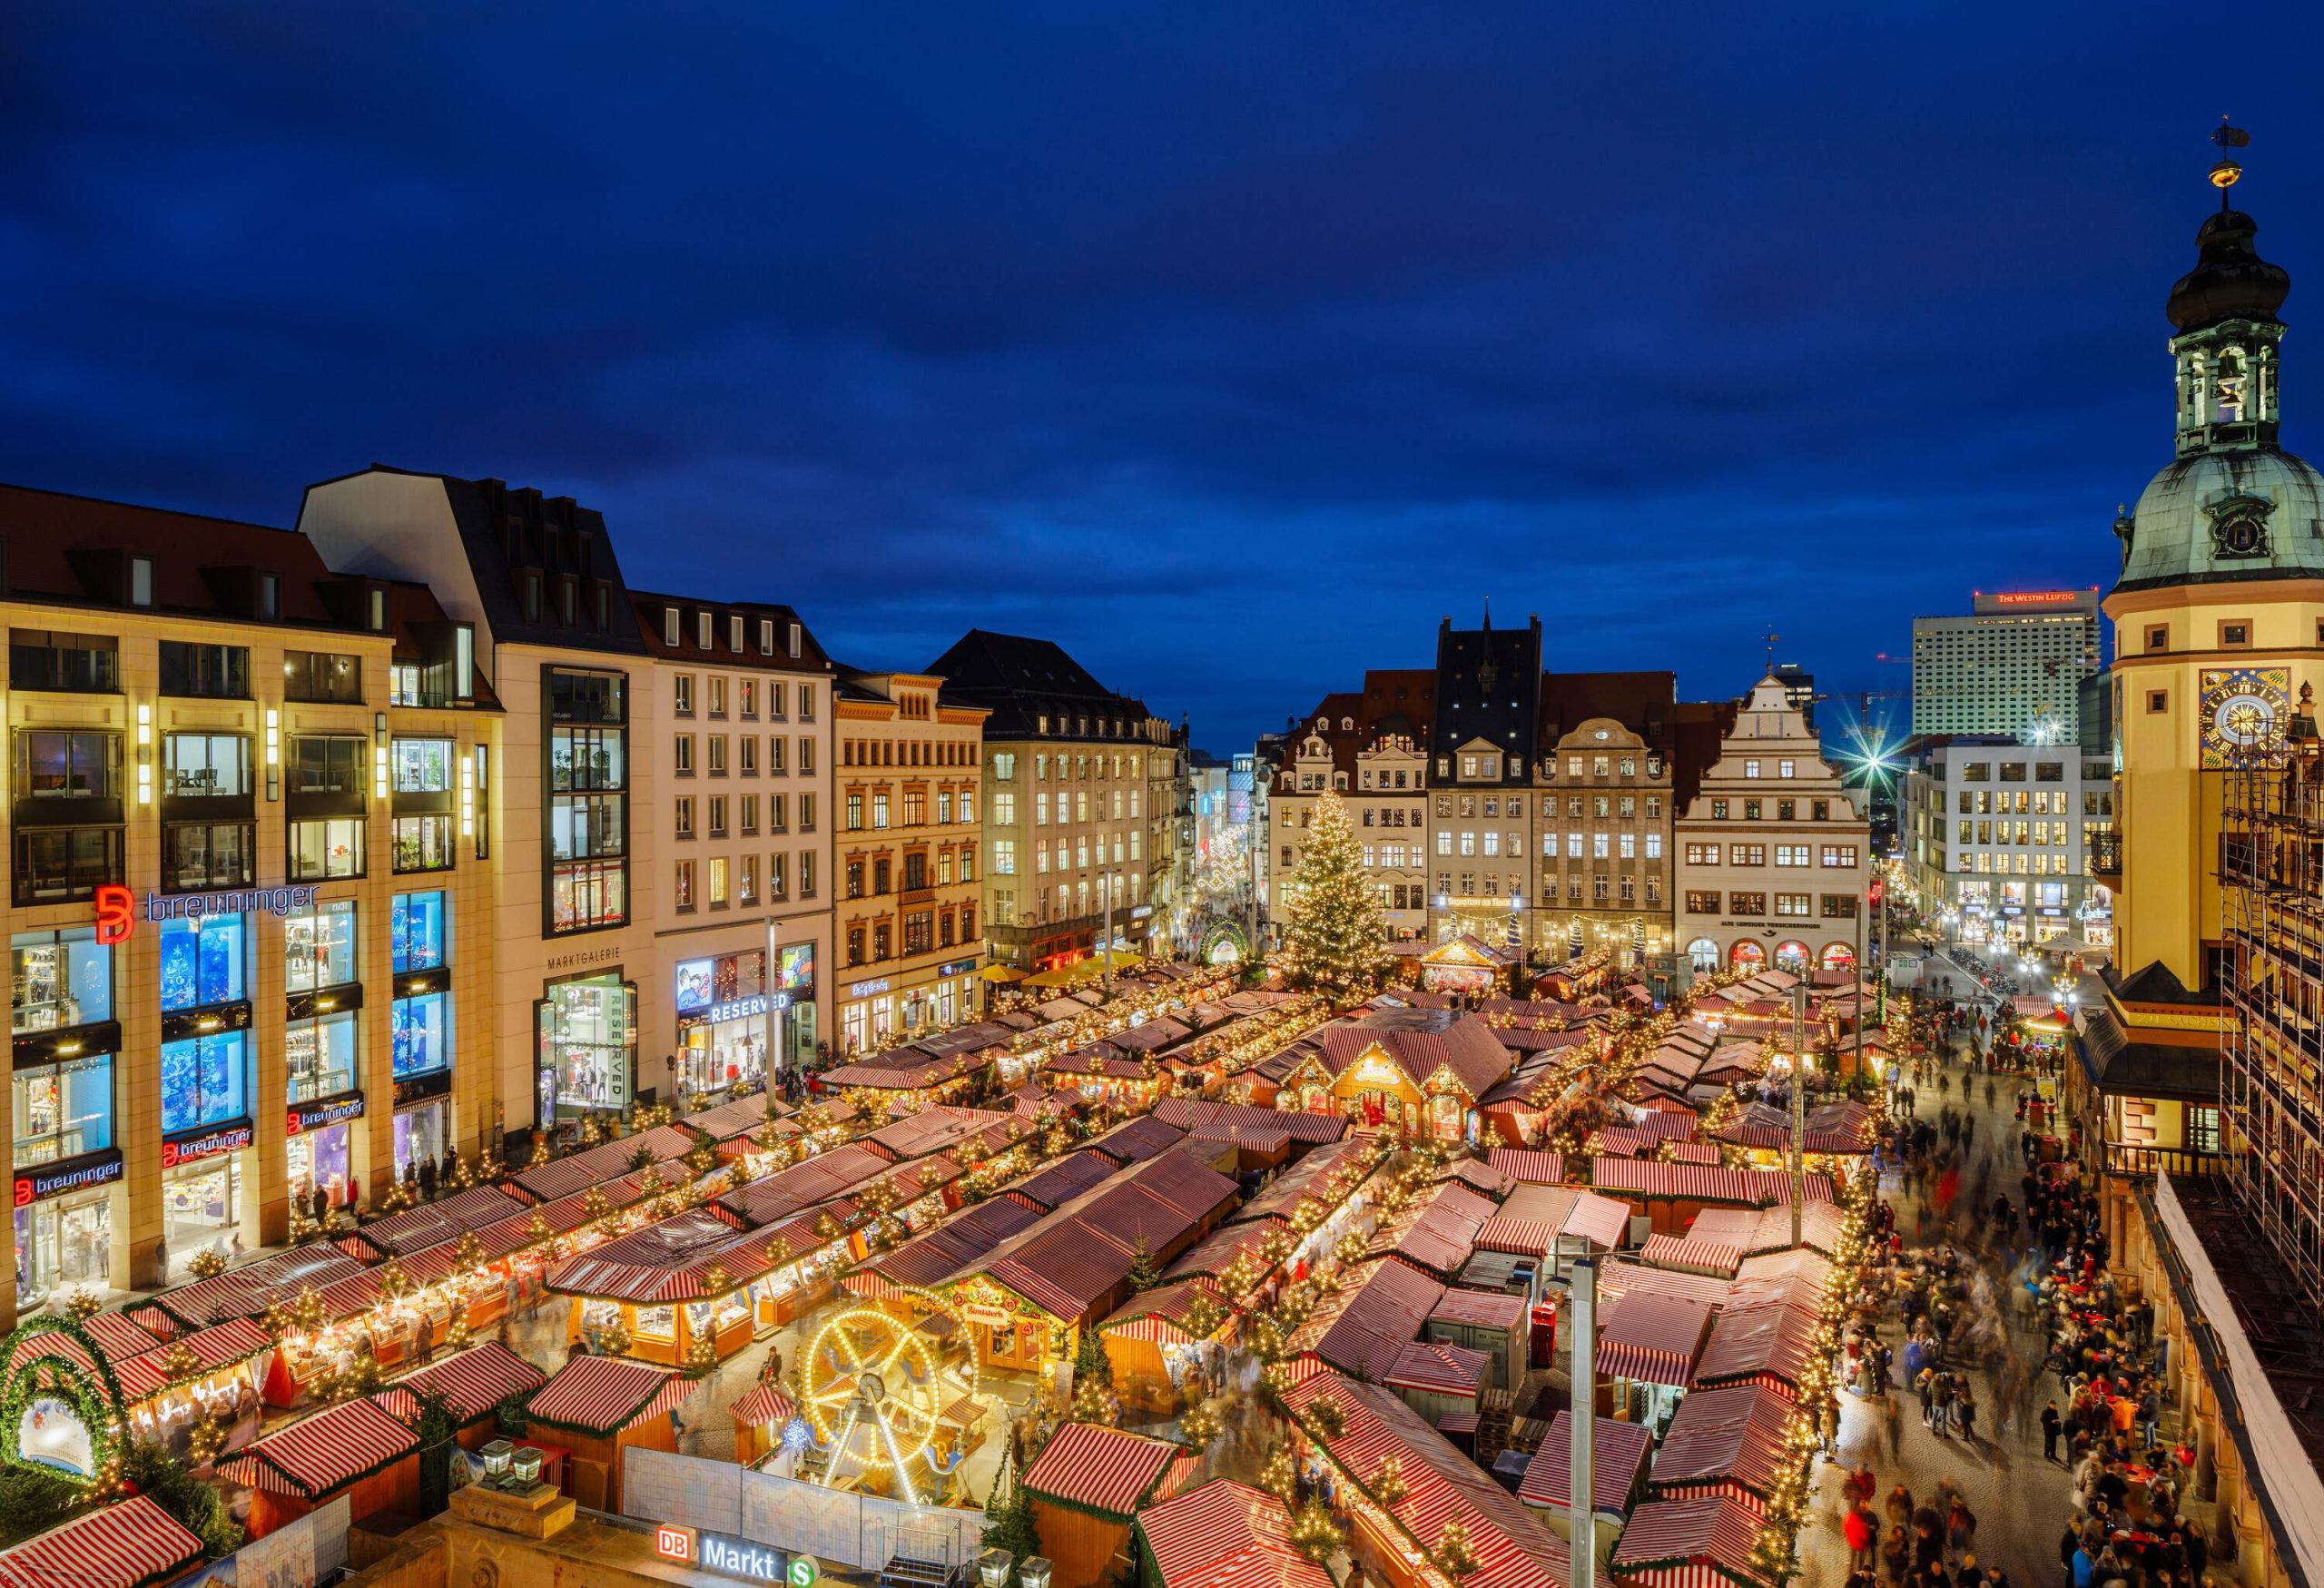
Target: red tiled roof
{"x": 1421, "y": 1042}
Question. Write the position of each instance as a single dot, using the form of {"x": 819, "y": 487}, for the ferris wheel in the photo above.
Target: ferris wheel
{"x": 873, "y": 1390}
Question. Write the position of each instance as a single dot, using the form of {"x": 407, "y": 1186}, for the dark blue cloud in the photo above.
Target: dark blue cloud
{"x": 1229, "y": 345}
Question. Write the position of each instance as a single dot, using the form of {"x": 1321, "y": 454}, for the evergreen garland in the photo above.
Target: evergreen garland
{"x": 99, "y": 1405}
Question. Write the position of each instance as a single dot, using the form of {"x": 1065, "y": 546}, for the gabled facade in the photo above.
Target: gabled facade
{"x": 1773, "y": 857}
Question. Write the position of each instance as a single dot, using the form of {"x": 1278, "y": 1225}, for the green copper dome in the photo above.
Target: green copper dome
{"x": 2234, "y": 505}
{"x": 2247, "y": 514}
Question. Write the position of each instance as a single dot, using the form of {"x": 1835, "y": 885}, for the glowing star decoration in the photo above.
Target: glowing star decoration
{"x": 797, "y": 1437}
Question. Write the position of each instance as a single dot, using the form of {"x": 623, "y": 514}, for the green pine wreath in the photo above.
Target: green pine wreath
{"x": 98, "y": 1404}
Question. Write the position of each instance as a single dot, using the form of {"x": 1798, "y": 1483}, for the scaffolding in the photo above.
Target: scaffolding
{"x": 2271, "y": 1017}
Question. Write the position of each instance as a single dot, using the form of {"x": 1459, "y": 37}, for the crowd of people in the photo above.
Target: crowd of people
{"x": 1948, "y": 1324}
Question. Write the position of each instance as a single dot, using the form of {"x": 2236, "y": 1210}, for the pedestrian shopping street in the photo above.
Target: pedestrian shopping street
{"x": 2020, "y": 1502}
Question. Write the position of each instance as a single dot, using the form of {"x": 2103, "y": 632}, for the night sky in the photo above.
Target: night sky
{"x": 1228, "y": 345}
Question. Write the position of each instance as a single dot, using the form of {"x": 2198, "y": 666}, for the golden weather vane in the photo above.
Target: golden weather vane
{"x": 2227, "y": 172}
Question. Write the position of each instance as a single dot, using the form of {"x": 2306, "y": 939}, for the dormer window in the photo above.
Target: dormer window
{"x": 735, "y": 634}
{"x": 766, "y": 636}
{"x": 270, "y": 596}
{"x": 380, "y": 606}
{"x": 672, "y": 634}
{"x": 141, "y": 581}
{"x": 704, "y": 634}
{"x": 794, "y": 639}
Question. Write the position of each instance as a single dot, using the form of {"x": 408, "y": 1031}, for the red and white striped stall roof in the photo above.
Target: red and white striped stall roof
{"x": 1617, "y": 1464}
{"x": 1622, "y": 1277}
{"x": 1697, "y": 1152}
{"x": 1652, "y": 1339}
{"x": 320, "y": 1455}
{"x": 1600, "y": 1221}
{"x": 565, "y": 1176}
{"x": 766, "y": 1406}
{"x": 30, "y": 1347}
{"x": 1102, "y": 1470}
{"x": 1361, "y": 1326}
{"x": 131, "y": 1545}
{"x": 1696, "y": 1257}
{"x": 1441, "y": 1484}
{"x": 1768, "y": 1343}
{"x": 1530, "y": 1238}
{"x": 218, "y": 1346}
{"x": 602, "y": 1395}
{"x": 118, "y": 1335}
{"x": 1704, "y": 1542}
{"x": 1726, "y": 1436}
{"x": 415, "y": 1228}
{"x": 1437, "y": 1369}
{"x": 475, "y": 1382}
{"x": 1227, "y": 1534}
{"x": 1529, "y": 1166}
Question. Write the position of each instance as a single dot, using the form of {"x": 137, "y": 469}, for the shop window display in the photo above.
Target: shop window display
{"x": 58, "y": 979}
{"x": 422, "y": 1030}
{"x": 318, "y": 947}
{"x": 421, "y": 1131}
{"x": 722, "y": 1007}
{"x": 319, "y": 1056}
{"x": 587, "y": 1044}
{"x": 205, "y": 962}
{"x": 63, "y": 1109}
{"x": 66, "y": 1241}
{"x": 204, "y": 1081}
{"x": 416, "y": 932}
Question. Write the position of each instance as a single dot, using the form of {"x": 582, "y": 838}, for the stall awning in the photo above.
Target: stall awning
{"x": 1103, "y": 1471}
{"x": 318, "y": 1456}
{"x": 604, "y": 1395}
{"x": 475, "y": 1382}
{"x": 128, "y": 1545}
{"x": 766, "y": 1406}
{"x": 221, "y": 1345}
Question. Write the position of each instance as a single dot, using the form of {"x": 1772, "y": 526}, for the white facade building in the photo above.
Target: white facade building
{"x": 1773, "y": 858}
{"x": 1999, "y": 833}
{"x": 2012, "y": 666}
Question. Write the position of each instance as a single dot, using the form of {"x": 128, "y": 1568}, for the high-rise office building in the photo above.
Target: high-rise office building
{"x": 2014, "y": 665}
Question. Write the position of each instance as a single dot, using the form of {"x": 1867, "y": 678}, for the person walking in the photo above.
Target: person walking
{"x": 2051, "y": 1423}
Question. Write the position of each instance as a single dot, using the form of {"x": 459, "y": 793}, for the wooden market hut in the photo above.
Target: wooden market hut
{"x": 355, "y": 1448}
{"x": 1495, "y": 1323}
{"x": 1650, "y": 1343}
{"x": 1222, "y": 1535}
{"x": 474, "y": 1383}
{"x": 1704, "y": 1542}
{"x": 164, "y": 1388}
{"x": 1671, "y": 1194}
{"x": 1151, "y": 1346}
{"x": 1616, "y": 1475}
{"x": 1726, "y": 1442}
{"x": 600, "y": 1406}
{"x": 1440, "y": 1486}
{"x": 669, "y": 1286}
{"x": 1087, "y": 1486}
{"x": 1437, "y": 1381}
{"x": 132, "y": 1545}
{"x": 760, "y": 1417}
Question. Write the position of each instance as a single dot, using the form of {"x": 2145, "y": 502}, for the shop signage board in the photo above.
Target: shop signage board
{"x": 206, "y": 1144}
{"x": 866, "y": 989}
{"x": 956, "y": 967}
{"x": 240, "y": 902}
{"x": 730, "y": 1556}
{"x": 73, "y": 1174}
{"x": 323, "y": 1111}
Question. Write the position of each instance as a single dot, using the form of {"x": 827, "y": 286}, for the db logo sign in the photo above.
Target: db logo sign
{"x": 116, "y": 914}
{"x": 674, "y": 1544}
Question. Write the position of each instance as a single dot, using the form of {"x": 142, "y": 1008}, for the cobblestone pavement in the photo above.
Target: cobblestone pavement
{"x": 2020, "y": 1501}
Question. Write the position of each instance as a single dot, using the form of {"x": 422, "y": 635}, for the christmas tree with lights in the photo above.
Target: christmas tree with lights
{"x": 1336, "y": 941}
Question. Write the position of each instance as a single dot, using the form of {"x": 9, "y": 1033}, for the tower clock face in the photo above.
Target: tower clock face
{"x": 2243, "y": 710}
{"x": 2243, "y": 719}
